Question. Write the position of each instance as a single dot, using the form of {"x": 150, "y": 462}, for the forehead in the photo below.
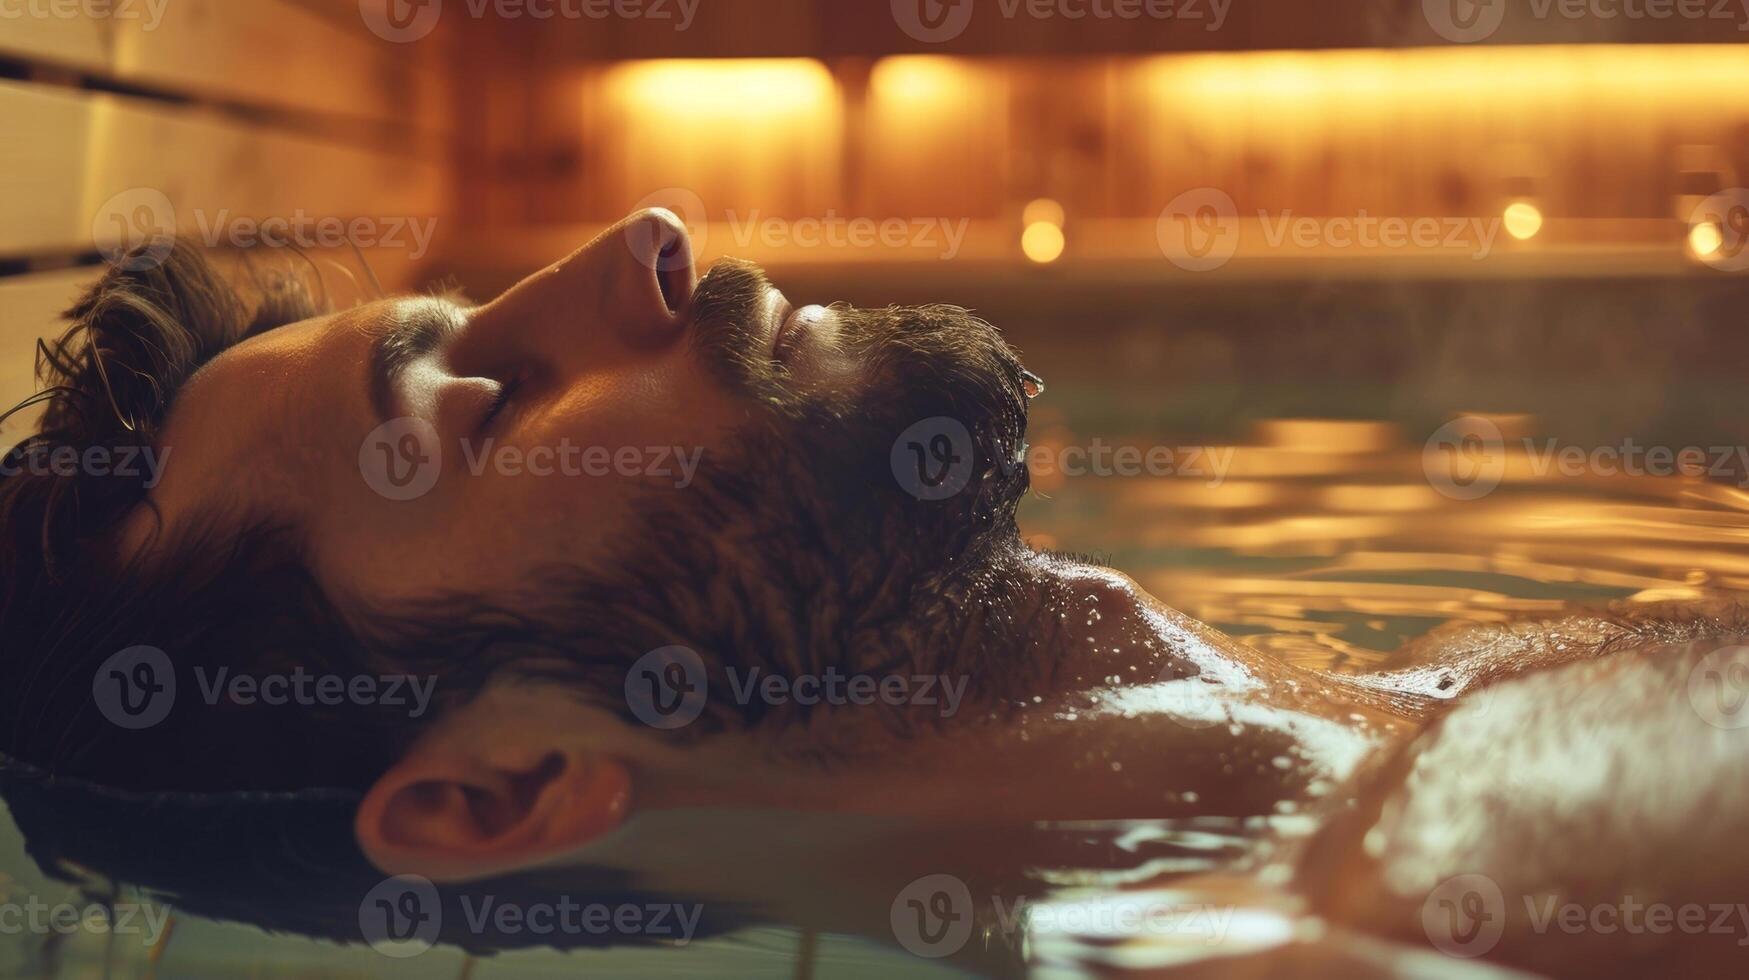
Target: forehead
{"x": 255, "y": 426}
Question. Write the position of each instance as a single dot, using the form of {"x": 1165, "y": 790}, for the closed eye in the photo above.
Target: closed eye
{"x": 500, "y": 402}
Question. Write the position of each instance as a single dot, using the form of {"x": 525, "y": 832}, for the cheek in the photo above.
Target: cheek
{"x": 549, "y": 492}
{"x": 663, "y": 405}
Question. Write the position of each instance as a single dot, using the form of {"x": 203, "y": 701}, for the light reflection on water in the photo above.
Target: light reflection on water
{"x": 1332, "y": 544}
{"x": 1328, "y": 544}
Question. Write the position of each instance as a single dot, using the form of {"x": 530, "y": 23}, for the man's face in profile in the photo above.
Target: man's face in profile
{"x": 610, "y": 421}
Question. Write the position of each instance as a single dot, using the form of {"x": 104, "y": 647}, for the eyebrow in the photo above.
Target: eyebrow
{"x": 420, "y": 329}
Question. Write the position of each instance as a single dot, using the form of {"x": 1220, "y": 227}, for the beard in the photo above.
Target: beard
{"x": 867, "y": 528}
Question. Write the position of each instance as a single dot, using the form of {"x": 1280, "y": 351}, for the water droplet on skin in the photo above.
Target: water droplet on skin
{"x": 1031, "y": 384}
{"x": 1190, "y": 796}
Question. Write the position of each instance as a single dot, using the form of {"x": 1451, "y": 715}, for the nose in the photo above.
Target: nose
{"x": 630, "y": 288}
{"x": 647, "y": 268}
{"x": 658, "y": 240}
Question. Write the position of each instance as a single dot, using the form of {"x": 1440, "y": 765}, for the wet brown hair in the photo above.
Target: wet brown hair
{"x": 68, "y": 601}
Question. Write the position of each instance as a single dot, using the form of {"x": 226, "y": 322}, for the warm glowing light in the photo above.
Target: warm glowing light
{"x": 1523, "y": 220}
{"x": 916, "y": 80}
{"x": 1705, "y": 239}
{"x": 1351, "y": 78}
{"x": 718, "y": 88}
{"x": 1042, "y": 242}
{"x": 1043, "y": 209}
{"x": 722, "y": 133}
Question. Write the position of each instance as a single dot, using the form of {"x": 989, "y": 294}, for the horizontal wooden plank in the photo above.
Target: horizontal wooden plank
{"x": 87, "y": 167}
{"x": 267, "y": 53}
{"x": 870, "y": 28}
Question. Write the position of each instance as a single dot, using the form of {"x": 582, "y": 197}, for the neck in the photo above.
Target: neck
{"x": 1083, "y": 697}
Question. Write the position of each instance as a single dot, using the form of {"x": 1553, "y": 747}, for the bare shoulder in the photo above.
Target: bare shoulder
{"x": 1582, "y": 819}
{"x": 1462, "y": 657}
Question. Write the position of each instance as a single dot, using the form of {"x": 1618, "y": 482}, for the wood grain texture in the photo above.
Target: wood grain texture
{"x": 91, "y": 161}
{"x": 265, "y": 53}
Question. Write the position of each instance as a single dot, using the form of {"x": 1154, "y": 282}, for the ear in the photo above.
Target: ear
{"x": 482, "y": 794}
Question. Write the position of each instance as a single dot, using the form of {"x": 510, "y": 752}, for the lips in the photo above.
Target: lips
{"x": 795, "y": 331}
{"x": 778, "y": 313}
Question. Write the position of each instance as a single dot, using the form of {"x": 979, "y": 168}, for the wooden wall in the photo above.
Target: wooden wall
{"x": 219, "y": 114}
